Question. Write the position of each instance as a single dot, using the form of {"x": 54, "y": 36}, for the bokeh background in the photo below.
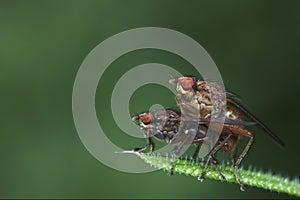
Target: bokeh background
{"x": 254, "y": 43}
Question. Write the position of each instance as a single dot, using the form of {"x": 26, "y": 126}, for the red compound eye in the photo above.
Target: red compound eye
{"x": 146, "y": 119}
{"x": 187, "y": 83}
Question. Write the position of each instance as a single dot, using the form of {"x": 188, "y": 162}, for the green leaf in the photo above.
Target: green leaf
{"x": 248, "y": 177}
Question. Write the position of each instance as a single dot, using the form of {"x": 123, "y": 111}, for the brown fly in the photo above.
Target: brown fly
{"x": 164, "y": 125}
{"x": 199, "y": 102}
{"x": 206, "y": 100}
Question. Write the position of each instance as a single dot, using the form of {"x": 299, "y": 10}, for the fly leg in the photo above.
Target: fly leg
{"x": 199, "y": 143}
{"x": 199, "y": 139}
{"x": 176, "y": 150}
{"x": 171, "y": 172}
{"x": 214, "y": 163}
{"x": 211, "y": 159}
{"x": 180, "y": 140}
{"x": 234, "y": 156}
{"x": 195, "y": 155}
{"x": 149, "y": 144}
{"x": 174, "y": 158}
{"x": 241, "y": 157}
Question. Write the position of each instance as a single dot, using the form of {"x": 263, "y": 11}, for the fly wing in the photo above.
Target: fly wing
{"x": 203, "y": 121}
{"x": 247, "y": 114}
{"x": 228, "y": 122}
{"x": 231, "y": 94}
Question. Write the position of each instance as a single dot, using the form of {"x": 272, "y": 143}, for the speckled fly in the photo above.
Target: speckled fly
{"x": 199, "y": 102}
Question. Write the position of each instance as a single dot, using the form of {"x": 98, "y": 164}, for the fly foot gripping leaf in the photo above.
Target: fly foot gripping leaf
{"x": 249, "y": 177}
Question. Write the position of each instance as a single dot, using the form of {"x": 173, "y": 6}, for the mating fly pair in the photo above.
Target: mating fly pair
{"x": 200, "y": 103}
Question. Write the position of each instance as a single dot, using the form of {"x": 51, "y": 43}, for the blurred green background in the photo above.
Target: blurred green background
{"x": 255, "y": 44}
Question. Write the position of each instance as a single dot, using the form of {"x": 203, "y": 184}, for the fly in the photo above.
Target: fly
{"x": 207, "y": 100}
{"x": 195, "y": 99}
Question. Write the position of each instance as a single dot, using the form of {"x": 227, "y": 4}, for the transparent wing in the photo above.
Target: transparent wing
{"x": 235, "y": 105}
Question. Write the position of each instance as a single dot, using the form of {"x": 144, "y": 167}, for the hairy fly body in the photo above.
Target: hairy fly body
{"x": 208, "y": 100}
{"x": 202, "y": 103}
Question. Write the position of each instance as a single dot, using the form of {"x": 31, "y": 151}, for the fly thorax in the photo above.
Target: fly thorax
{"x": 212, "y": 96}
